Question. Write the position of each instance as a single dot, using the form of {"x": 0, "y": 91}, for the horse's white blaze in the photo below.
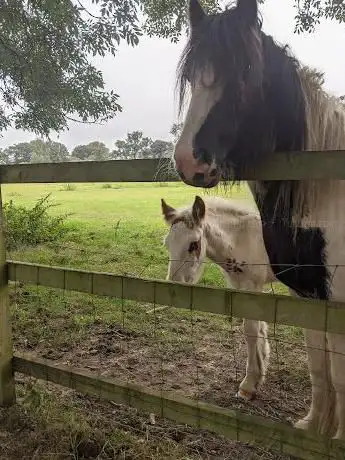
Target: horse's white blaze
{"x": 204, "y": 95}
{"x": 184, "y": 266}
{"x": 228, "y": 231}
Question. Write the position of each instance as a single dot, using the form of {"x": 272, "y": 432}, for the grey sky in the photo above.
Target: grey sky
{"x": 144, "y": 77}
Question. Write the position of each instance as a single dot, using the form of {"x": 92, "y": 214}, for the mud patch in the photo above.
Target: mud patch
{"x": 209, "y": 369}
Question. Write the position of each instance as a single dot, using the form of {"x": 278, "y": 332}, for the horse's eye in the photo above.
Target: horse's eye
{"x": 193, "y": 246}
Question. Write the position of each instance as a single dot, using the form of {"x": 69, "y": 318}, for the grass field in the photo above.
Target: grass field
{"x": 118, "y": 228}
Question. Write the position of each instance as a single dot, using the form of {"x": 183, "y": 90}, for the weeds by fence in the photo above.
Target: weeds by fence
{"x": 32, "y": 226}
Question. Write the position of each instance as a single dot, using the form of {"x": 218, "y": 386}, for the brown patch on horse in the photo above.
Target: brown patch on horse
{"x": 231, "y": 265}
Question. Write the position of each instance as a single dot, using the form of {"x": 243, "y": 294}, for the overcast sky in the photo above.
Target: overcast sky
{"x": 144, "y": 77}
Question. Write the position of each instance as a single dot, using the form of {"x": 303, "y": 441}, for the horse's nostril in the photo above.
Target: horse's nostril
{"x": 199, "y": 180}
{"x": 203, "y": 156}
{"x": 213, "y": 172}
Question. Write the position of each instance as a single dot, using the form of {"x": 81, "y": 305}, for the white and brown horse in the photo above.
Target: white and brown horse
{"x": 231, "y": 236}
{"x": 251, "y": 98}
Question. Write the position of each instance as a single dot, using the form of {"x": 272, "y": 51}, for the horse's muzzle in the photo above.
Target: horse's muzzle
{"x": 194, "y": 171}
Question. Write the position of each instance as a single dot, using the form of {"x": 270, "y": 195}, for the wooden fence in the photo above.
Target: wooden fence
{"x": 281, "y": 166}
{"x": 318, "y": 315}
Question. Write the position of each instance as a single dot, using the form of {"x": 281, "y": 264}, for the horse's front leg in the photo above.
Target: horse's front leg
{"x": 320, "y": 417}
{"x": 258, "y": 347}
{"x": 258, "y": 352}
{"x": 336, "y": 421}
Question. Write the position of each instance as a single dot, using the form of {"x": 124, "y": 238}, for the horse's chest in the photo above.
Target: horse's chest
{"x": 297, "y": 256}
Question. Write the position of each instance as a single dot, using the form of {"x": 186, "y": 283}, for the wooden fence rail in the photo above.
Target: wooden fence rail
{"x": 312, "y": 314}
{"x": 232, "y": 424}
{"x": 281, "y": 166}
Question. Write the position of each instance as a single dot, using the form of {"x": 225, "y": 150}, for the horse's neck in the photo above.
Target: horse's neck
{"x": 219, "y": 235}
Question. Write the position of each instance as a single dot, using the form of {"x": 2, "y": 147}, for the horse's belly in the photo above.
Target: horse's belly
{"x": 308, "y": 259}
{"x": 298, "y": 261}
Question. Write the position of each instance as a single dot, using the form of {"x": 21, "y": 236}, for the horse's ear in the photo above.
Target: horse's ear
{"x": 169, "y": 213}
{"x": 196, "y": 13}
{"x": 248, "y": 10}
{"x": 199, "y": 210}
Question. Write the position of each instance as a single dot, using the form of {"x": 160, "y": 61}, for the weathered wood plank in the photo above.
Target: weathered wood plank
{"x": 229, "y": 423}
{"x": 280, "y": 166}
{"x": 300, "y": 165}
{"x": 150, "y": 170}
{"x": 281, "y": 309}
{"x": 7, "y": 389}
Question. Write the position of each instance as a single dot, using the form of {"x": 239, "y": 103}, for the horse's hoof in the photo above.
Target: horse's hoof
{"x": 304, "y": 424}
{"x": 246, "y": 395}
{"x": 340, "y": 435}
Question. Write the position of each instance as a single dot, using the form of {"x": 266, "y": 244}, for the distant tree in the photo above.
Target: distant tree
{"x": 136, "y": 145}
{"x": 48, "y": 151}
{"x": 36, "y": 151}
{"x": 80, "y": 152}
{"x": 39, "y": 153}
{"x": 18, "y": 153}
{"x": 4, "y": 160}
{"x": 96, "y": 151}
{"x": 161, "y": 149}
{"x": 58, "y": 152}
{"x": 99, "y": 151}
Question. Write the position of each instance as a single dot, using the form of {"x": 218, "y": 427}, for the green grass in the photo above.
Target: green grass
{"x": 131, "y": 201}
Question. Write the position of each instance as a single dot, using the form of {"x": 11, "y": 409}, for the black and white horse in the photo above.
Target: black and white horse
{"x": 250, "y": 98}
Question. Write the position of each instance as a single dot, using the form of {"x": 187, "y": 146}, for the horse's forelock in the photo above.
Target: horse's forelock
{"x": 185, "y": 218}
{"x": 225, "y": 44}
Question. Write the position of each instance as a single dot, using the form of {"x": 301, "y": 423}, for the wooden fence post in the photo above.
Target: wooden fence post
{"x": 7, "y": 387}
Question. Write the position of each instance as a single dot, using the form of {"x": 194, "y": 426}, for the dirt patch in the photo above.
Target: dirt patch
{"x": 209, "y": 370}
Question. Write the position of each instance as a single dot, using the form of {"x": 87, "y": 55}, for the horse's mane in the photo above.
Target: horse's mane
{"x": 219, "y": 33}
{"x": 325, "y": 130}
{"x": 325, "y": 114}
{"x": 238, "y": 209}
{"x": 217, "y": 206}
